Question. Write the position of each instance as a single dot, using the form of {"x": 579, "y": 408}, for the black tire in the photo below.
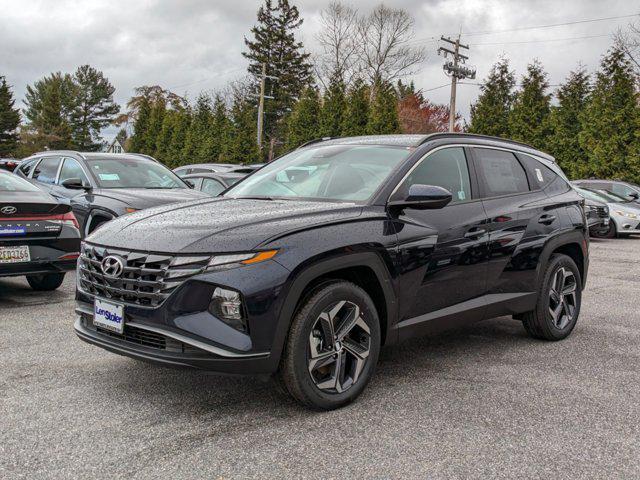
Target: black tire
{"x": 540, "y": 323}
{"x": 610, "y": 232}
{"x": 295, "y": 367}
{"x": 45, "y": 282}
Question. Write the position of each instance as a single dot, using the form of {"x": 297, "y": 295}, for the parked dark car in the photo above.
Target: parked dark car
{"x": 39, "y": 236}
{"x": 103, "y": 186}
{"x": 213, "y": 183}
{"x": 627, "y": 190}
{"x": 369, "y": 241}
{"x": 596, "y": 211}
{"x": 9, "y": 164}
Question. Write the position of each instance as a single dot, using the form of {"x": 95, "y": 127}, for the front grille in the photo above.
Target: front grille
{"x": 603, "y": 212}
{"x": 147, "y": 279}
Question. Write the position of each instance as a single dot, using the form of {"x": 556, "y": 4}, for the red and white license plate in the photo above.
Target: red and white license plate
{"x": 14, "y": 254}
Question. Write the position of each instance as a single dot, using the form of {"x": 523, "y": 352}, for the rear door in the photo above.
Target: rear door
{"x": 521, "y": 218}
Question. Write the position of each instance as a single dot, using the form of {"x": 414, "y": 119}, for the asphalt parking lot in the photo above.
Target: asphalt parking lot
{"x": 483, "y": 402}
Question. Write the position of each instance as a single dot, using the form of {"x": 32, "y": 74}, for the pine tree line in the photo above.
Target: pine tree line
{"x": 591, "y": 126}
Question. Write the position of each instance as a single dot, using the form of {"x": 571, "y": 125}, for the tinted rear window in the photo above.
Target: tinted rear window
{"x": 12, "y": 183}
{"x": 501, "y": 172}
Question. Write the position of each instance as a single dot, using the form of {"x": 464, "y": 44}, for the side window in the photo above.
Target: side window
{"x": 622, "y": 190}
{"x": 26, "y": 167}
{"x": 47, "y": 170}
{"x": 445, "y": 168}
{"x": 501, "y": 172}
{"x": 212, "y": 187}
{"x": 72, "y": 169}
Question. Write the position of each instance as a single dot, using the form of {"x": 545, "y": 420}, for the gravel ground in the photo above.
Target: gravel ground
{"x": 483, "y": 402}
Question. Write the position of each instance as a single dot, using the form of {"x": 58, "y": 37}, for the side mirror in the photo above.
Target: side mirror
{"x": 424, "y": 197}
{"x": 634, "y": 195}
{"x": 75, "y": 184}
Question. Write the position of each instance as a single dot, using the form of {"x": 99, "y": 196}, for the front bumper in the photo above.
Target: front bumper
{"x": 172, "y": 335}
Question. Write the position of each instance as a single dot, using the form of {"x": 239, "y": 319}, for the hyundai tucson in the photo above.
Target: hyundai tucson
{"x": 306, "y": 268}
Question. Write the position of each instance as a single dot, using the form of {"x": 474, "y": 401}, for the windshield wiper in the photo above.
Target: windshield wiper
{"x": 253, "y": 198}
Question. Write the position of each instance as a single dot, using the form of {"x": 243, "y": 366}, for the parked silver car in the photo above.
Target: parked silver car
{"x": 627, "y": 190}
{"x": 624, "y": 214}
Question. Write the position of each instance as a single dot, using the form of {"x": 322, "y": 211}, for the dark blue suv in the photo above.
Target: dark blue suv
{"x": 306, "y": 268}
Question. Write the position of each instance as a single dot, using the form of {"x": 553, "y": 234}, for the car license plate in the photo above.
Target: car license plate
{"x": 108, "y": 316}
{"x": 14, "y": 254}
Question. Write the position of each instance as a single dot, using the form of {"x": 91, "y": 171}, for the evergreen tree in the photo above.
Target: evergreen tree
{"x": 163, "y": 142}
{"x": 49, "y": 103}
{"x": 197, "y": 135}
{"x": 215, "y": 145}
{"x": 242, "y": 147}
{"x": 565, "y": 124}
{"x": 490, "y": 113}
{"x": 303, "y": 121}
{"x": 9, "y": 120}
{"x": 356, "y": 117}
{"x": 383, "y": 115}
{"x": 156, "y": 118}
{"x": 93, "y": 107}
{"x": 275, "y": 45}
{"x": 178, "y": 138}
{"x": 611, "y": 120}
{"x": 140, "y": 126}
{"x": 529, "y": 117}
{"x": 334, "y": 106}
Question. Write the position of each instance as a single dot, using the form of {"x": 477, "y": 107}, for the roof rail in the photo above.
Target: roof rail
{"x": 48, "y": 152}
{"x": 317, "y": 140}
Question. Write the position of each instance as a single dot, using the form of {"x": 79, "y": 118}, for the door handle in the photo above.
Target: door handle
{"x": 547, "y": 219}
{"x": 475, "y": 232}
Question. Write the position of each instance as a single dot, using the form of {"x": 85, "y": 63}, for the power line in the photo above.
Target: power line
{"x": 549, "y": 25}
{"x": 567, "y": 39}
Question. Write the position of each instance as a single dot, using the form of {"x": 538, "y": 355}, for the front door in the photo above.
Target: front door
{"x": 442, "y": 253}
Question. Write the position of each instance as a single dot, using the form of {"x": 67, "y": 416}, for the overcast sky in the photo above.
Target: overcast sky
{"x": 193, "y": 45}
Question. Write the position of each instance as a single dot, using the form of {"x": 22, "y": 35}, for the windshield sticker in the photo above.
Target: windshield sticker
{"x": 109, "y": 177}
{"x": 539, "y": 175}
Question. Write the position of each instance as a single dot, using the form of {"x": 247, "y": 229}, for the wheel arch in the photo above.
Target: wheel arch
{"x": 573, "y": 244}
{"x": 365, "y": 269}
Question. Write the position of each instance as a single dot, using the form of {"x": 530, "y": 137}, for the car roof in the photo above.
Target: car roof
{"x": 205, "y": 165}
{"x": 415, "y": 140}
{"x": 222, "y": 175}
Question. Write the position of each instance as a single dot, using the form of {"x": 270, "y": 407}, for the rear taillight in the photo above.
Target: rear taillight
{"x": 70, "y": 219}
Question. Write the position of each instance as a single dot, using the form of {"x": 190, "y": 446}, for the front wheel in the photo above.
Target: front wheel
{"x": 332, "y": 348}
{"x": 610, "y": 232}
{"x": 559, "y": 300}
{"x": 45, "y": 282}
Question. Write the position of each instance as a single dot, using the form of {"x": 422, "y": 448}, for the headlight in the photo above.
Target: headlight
{"x": 227, "y": 306}
{"x": 241, "y": 258}
{"x": 626, "y": 214}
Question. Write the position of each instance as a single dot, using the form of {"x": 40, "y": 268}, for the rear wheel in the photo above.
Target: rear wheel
{"x": 559, "y": 300}
{"x": 46, "y": 281}
{"x": 332, "y": 348}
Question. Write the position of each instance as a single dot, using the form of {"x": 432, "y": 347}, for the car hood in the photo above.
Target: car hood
{"x": 625, "y": 207}
{"x": 142, "y": 198}
{"x": 218, "y": 225}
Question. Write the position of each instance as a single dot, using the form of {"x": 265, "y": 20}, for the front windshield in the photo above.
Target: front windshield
{"x": 336, "y": 172}
{"x": 13, "y": 183}
{"x": 592, "y": 195}
{"x": 612, "y": 197}
{"x": 133, "y": 173}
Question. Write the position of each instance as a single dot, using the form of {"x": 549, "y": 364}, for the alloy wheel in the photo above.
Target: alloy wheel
{"x": 339, "y": 345}
{"x": 562, "y": 297}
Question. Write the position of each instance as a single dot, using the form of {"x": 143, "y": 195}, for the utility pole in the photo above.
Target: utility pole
{"x": 263, "y": 79}
{"x": 456, "y": 70}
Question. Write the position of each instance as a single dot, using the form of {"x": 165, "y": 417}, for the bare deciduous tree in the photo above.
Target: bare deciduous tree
{"x": 386, "y": 48}
{"x": 339, "y": 41}
{"x": 630, "y": 42}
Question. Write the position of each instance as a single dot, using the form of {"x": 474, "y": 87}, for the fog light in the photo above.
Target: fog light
{"x": 227, "y": 306}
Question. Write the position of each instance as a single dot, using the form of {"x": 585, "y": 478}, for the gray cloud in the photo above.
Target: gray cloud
{"x": 195, "y": 45}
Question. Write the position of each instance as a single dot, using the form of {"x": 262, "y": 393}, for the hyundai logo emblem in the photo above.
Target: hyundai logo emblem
{"x": 10, "y": 210}
{"x": 112, "y": 266}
